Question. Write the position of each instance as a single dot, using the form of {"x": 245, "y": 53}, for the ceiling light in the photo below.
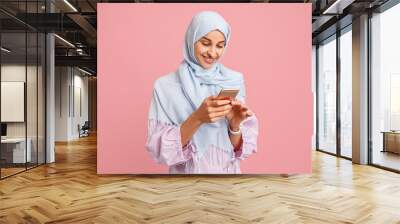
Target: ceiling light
{"x": 64, "y": 40}
{"x": 70, "y": 5}
{"x": 84, "y": 71}
{"x": 337, "y": 7}
{"x": 5, "y": 50}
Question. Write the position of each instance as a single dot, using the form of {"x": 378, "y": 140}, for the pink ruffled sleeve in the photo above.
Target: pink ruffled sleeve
{"x": 249, "y": 135}
{"x": 164, "y": 144}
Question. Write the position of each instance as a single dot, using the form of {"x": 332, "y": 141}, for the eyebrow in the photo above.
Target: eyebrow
{"x": 211, "y": 41}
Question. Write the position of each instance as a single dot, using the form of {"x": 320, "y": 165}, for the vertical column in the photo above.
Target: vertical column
{"x": 338, "y": 91}
{"x": 360, "y": 90}
{"x": 50, "y": 92}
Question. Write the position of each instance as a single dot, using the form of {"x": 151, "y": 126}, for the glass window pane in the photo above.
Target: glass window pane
{"x": 327, "y": 96}
{"x": 346, "y": 94}
{"x": 32, "y": 95}
{"x": 14, "y": 153}
{"x": 22, "y": 88}
{"x": 41, "y": 98}
{"x": 314, "y": 74}
{"x": 386, "y": 88}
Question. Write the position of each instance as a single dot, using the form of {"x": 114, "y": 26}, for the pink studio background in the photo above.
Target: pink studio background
{"x": 270, "y": 45}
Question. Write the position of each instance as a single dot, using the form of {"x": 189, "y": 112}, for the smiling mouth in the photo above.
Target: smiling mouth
{"x": 208, "y": 60}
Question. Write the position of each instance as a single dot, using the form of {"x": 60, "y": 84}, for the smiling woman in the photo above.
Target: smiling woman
{"x": 190, "y": 129}
{"x": 209, "y": 48}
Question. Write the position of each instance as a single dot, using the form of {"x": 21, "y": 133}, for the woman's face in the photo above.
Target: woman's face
{"x": 209, "y": 48}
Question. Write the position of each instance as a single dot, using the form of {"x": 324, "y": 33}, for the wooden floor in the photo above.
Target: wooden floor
{"x": 69, "y": 191}
{"x": 5, "y": 172}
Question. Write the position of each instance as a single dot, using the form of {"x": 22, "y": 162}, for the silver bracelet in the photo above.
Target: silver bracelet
{"x": 235, "y": 132}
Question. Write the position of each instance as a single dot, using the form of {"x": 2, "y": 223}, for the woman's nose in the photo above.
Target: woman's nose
{"x": 213, "y": 53}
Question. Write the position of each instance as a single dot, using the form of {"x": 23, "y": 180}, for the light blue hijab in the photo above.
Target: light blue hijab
{"x": 177, "y": 95}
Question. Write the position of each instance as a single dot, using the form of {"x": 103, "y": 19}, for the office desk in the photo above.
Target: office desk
{"x": 391, "y": 141}
{"x": 13, "y": 150}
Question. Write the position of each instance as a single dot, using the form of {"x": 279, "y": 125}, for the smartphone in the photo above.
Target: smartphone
{"x": 228, "y": 94}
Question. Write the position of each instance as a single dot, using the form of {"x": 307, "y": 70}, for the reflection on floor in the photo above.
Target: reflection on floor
{"x": 387, "y": 159}
{"x": 11, "y": 169}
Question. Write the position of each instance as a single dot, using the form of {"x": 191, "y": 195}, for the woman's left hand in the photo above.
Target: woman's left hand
{"x": 238, "y": 113}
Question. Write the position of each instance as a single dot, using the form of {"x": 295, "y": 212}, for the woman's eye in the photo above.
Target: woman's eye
{"x": 220, "y": 46}
{"x": 206, "y": 43}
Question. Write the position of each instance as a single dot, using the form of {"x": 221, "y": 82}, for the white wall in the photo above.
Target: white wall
{"x": 62, "y": 78}
{"x": 15, "y": 72}
{"x": 79, "y": 117}
{"x": 70, "y": 83}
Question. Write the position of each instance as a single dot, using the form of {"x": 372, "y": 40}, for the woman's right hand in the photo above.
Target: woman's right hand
{"x": 212, "y": 109}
